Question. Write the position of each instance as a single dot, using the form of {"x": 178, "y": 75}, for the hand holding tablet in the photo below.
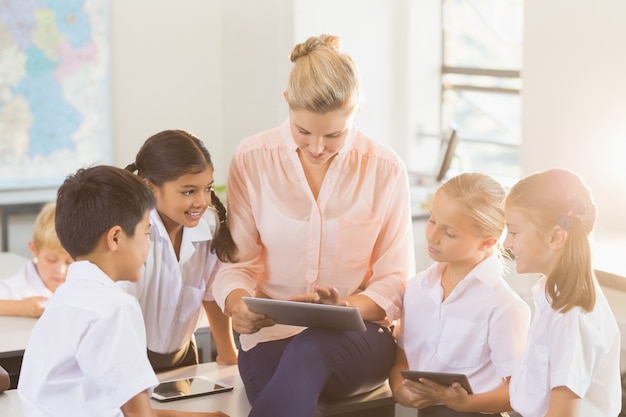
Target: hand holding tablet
{"x": 442, "y": 378}
{"x": 298, "y": 313}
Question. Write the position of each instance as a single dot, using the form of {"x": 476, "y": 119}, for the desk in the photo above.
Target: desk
{"x": 15, "y": 331}
{"x": 234, "y": 403}
{"x": 14, "y": 334}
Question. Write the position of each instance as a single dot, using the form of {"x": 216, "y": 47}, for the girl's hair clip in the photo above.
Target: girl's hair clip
{"x": 566, "y": 221}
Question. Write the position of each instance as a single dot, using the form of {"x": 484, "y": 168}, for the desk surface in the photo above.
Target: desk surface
{"x": 234, "y": 403}
{"x": 14, "y": 334}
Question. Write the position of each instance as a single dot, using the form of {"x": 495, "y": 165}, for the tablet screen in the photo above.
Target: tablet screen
{"x": 187, "y": 388}
{"x": 308, "y": 314}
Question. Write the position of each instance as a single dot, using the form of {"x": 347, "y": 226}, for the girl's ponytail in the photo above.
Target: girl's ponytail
{"x": 222, "y": 244}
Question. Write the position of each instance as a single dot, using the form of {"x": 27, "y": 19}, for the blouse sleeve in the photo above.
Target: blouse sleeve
{"x": 393, "y": 257}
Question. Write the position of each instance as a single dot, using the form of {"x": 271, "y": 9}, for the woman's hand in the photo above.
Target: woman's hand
{"x": 321, "y": 295}
{"x": 244, "y": 320}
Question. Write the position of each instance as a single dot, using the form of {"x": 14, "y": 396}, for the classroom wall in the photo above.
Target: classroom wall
{"x": 218, "y": 68}
{"x": 574, "y": 97}
{"x": 165, "y": 72}
{"x": 221, "y": 74}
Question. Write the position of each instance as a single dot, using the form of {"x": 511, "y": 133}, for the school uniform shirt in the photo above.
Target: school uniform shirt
{"x": 356, "y": 236}
{"x": 479, "y": 330}
{"x": 170, "y": 290}
{"x": 24, "y": 284}
{"x": 86, "y": 356}
{"x": 577, "y": 349}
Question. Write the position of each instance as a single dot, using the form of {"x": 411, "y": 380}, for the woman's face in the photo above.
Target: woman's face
{"x": 320, "y": 136}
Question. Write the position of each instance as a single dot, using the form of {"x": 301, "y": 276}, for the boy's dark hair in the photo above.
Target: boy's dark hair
{"x": 93, "y": 200}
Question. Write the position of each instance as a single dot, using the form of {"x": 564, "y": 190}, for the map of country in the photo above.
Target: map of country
{"x": 54, "y": 98}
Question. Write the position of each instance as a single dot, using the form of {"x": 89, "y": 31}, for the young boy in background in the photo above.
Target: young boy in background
{"x": 26, "y": 292}
{"x": 86, "y": 355}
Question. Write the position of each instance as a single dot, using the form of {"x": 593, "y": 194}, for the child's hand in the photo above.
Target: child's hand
{"x": 32, "y": 306}
{"x": 407, "y": 395}
{"x": 453, "y": 396}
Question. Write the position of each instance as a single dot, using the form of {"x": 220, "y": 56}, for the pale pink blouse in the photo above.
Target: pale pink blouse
{"x": 357, "y": 235}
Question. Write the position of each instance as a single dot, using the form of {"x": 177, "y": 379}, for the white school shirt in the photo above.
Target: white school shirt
{"x": 86, "y": 355}
{"x": 576, "y": 349}
{"x": 171, "y": 291}
{"x": 24, "y": 284}
{"x": 479, "y": 329}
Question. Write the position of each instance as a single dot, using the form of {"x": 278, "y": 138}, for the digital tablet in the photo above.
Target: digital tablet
{"x": 298, "y": 313}
{"x": 178, "y": 389}
{"x": 442, "y": 378}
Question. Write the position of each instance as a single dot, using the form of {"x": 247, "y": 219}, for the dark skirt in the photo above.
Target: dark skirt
{"x": 185, "y": 356}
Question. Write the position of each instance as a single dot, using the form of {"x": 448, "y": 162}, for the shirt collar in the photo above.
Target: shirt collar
{"x": 539, "y": 293}
{"x": 199, "y": 233}
{"x": 488, "y": 272}
{"x": 87, "y": 271}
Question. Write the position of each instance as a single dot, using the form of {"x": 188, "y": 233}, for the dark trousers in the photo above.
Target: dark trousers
{"x": 443, "y": 411}
{"x": 293, "y": 377}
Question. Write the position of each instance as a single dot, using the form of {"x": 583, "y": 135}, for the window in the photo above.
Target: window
{"x": 481, "y": 83}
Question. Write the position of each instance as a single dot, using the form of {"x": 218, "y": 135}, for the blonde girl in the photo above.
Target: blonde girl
{"x": 570, "y": 366}
{"x": 460, "y": 316}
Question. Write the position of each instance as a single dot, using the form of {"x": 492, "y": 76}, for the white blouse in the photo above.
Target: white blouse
{"x": 479, "y": 329}
{"x": 171, "y": 291}
{"x": 577, "y": 349}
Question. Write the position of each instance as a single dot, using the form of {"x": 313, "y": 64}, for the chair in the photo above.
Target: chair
{"x": 446, "y": 160}
{"x": 10, "y": 263}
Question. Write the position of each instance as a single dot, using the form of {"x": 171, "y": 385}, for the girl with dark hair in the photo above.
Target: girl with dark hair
{"x": 189, "y": 238}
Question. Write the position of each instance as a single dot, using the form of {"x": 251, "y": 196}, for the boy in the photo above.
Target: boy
{"x": 25, "y": 293}
{"x": 87, "y": 354}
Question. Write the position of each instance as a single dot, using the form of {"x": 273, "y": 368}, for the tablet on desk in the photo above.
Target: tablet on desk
{"x": 442, "y": 378}
{"x": 298, "y": 313}
{"x": 179, "y": 389}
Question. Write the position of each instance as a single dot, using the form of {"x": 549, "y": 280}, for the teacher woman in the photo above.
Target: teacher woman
{"x": 319, "y": 213}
